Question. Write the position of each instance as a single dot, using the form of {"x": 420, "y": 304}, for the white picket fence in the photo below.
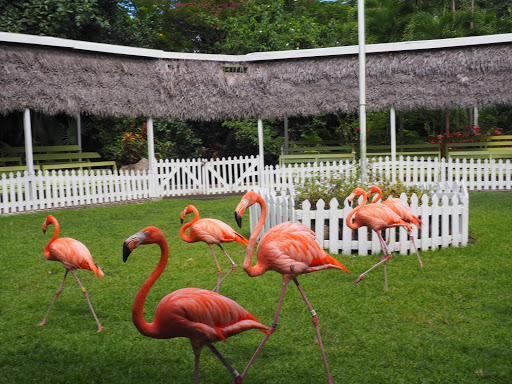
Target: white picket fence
{"x": 21, "y": 192}
{"x": 445, "y": 222}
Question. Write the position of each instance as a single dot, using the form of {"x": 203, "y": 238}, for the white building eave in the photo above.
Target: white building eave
{"x": 46, "y": 41}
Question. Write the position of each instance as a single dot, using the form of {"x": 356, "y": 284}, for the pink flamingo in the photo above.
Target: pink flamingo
{"x": 201, "y": 316}
{"x": 290, "y": 249}
{"x": 210, "y": 231}
{"x": 72, "y": 254}
{"x": 402, "y": 209}
{"x": 376, "y": 217}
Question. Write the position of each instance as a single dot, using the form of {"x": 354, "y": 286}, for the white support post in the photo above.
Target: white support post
{"x": 79, "y": 130}
{"x": 261, "y": 164}
{"x": 362, "y": 88}
{"x": 286, "y": 135}
{"x": 475, "y": 116}
{"x": 151, "y": 157}
{"x": 392, "y": 117}
{"x": 29, "y": 156}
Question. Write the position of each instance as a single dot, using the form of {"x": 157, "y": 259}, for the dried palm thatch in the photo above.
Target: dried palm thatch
{"x": 62, "y": 80}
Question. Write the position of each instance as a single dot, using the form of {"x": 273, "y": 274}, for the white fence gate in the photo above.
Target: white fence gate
{"x": 21, "y": 192}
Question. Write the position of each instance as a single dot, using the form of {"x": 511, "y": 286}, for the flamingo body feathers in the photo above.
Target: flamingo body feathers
{"x": 202, "y": 316}
{"x": 292, "y": 249}
{"x": 72, "y": 253}
{"x": 213, "y": 231}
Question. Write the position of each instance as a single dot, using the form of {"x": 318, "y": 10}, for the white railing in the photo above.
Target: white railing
{"x": 55, "y": 189}
{"x": 445, "y": 222}
{"x": 20, "y": 192}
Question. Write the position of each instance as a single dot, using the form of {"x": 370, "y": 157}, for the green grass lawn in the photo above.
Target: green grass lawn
{"x": 450, "y": 322}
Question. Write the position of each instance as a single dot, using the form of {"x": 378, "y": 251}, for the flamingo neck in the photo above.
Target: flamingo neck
{"x": 258, "y": 269}
{"x": 379, "y": 195}
{"x": 54, "y": 237}
{"x": 183, "y": 235}
{"x": 349, "y": 216}
{"x": 145, "y": 328}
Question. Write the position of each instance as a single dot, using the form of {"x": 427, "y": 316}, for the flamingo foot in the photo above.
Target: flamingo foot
{"x": 41, "y": 323}
{"x": 359, "y": 279}
{"x": 100, "y": 328}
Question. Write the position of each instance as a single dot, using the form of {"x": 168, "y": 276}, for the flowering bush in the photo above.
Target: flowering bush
{"x": 470, "y": 134}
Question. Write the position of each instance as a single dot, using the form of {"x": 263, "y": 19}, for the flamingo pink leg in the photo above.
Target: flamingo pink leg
{"x": 413, "y": 244}
{"x": 385, "y": 258}
{"x": 216, "y": 288}
{"x": 416, "y": 249}
{"x": 315, "y": 322}
{"x": 197, "y": 354}
{"x": 272, "y": 328}
{"x": 233, "y": 266}
{"x": 55, "y": 299}
{"x": 100, "y": 328}
{"x": 233, "y": 371}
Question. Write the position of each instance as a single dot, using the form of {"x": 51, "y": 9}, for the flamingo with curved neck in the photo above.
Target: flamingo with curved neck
{"x": 402, "y": 209}
{"x": 290, "y": 249}
{"x": 210, "y": 231}
{"x": 202, "y": 316}
{"x": 376, "y": 217}
{"x": 73, "y": 255}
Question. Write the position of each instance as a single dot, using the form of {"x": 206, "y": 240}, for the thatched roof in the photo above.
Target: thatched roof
{"x": 62, "y": 76}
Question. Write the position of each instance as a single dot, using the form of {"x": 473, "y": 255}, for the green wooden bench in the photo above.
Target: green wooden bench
{"x": 46, "y": 149}
{"x": 64, "y": 157}
{"x": 16, "y": 168}
{"x": 418, "y": 150}
{"x": 315, "y": 158}
{"x": 316, "y": 152}
{"x": 485, "y": 147}
{"x": 4, "y": 161}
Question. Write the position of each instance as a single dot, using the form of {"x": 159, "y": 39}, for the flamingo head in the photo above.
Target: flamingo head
{"x": 148, "y": 235}
{"x": 247, "y": 200}
{"x": 374, "y": 189}
{"x": 356, "y": 193}
{"x": 49, "y": 220}
{"x": 186, "y": 211}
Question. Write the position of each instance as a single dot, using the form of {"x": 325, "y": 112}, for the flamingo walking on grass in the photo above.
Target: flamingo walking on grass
{"x": 377, "y": 217}
{"x": 73, "y": 255}
{"x": 202, "y": 316}
{"x": 402, "y": 209}
{"x": 290, "y": 249}
{"x": 210, "y": 231}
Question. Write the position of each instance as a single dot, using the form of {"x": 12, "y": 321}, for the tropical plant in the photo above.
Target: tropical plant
{"x": 340, "y": 186}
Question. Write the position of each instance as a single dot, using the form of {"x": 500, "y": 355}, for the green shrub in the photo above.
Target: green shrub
{"x": 340, "y": 187}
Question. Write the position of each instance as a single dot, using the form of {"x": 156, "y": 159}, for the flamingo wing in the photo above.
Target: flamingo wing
{"x": 73, "y": 254}
{"x": 378, "y": 217}
{"x": 293, "y": 248}
{"x": 403, "y": 210}
{"x": 213, "y": 231}
{"x": 202, "y": 314}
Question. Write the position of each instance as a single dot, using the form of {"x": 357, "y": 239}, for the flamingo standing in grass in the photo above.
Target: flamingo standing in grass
{"x": 210, "y": 231}
{"x": 290, "y": 249}
{"x": 73, "y": 254}
{"x": 402, "y": 209}
{"x": 201, "y": 316}
{"x": 376, "y": 217}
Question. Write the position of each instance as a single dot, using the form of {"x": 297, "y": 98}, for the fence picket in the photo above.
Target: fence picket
{"x": 52, "y": 189}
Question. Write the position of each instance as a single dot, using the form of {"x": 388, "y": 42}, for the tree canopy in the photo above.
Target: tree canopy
{"x": 243, "y": 26}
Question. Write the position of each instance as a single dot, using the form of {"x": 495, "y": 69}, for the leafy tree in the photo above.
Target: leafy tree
{"x": 91, "y": 20}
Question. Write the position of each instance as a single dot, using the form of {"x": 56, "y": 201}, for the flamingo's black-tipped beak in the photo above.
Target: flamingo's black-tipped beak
{"x": 238, "y": 219}
{"x": 181, "y": 220}
{"x": 126, "y": 251}
{"x": 44, "y": 231}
